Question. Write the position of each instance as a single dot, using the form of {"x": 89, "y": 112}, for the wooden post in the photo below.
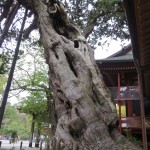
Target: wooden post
{"x": 144, "y": 134}
{"x": 41, "y": 145}
{"x": 21, "y": 145}
{"x": 119, "y": 103}
{"x": 130, "y": 106}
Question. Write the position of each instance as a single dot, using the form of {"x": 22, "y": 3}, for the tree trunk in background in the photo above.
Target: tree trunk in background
{"x": 51, "y": 112}
{"x": 51, "y": 118}
{"x": 37, "y": 138}
{"x": 86, "y": 116}
{"x": 32, "y": 131}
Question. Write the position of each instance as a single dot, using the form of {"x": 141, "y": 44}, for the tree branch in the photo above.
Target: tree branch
{"x": 32, "y": 27}
{"x": 14, "y": 95}
{"x": 26, "y": 73}
{"x": 25, "y": 87}
{"x": 40, "y": 87}
{"x": 8, "y": 22}
{"x": 107, "y": 13}
{"x": 91, "y": 23}
{"x": 6, "y": 10}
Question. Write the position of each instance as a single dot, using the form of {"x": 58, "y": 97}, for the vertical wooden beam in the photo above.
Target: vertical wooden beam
{"x": 132, "y": 11}
{"x": 130, "y": 108}
{"x": 144, "y": 134}
{"x": 119, "y": 103}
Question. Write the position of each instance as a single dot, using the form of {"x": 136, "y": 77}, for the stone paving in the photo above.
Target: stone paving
{"x": 16, "y": 146}
{"x": 27, "y": 148}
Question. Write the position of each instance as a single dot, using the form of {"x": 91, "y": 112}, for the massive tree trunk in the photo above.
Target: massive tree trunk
{"x": 86, "y": 116}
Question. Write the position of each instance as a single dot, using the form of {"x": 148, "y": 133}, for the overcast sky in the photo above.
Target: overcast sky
{"x": 114, "y": 46}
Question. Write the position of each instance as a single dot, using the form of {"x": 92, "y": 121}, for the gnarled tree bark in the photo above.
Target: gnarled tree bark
{"x": 86, "y": 116}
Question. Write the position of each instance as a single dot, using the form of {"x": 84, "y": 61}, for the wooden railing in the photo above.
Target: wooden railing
{"x": 126, "y": 93}
{"x": 134, "y": 122}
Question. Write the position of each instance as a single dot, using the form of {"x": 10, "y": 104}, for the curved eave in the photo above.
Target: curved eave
{"x": 117, "y": 69}
{"x": 113, "y": 61}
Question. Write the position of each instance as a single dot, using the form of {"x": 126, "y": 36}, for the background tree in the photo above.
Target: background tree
{"x": 2, "y": 82}
{"x": 33, "y": 80}
{"x": 4, "y": 62}
{"x": 86, "y": 117}
{"x": 31, "y": 70}
{"x": 36, "y": 105}
{"x": 97, "y": 20}
{"x": 15, "y": 122}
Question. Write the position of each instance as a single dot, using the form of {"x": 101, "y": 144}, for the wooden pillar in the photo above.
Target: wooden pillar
{"x": 144, "y": 134}
{"x": 119, "y": 103}
{"x": 130, "y": 108}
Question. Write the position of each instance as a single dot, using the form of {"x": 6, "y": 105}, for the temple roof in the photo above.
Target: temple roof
{"x": 124, "y": 55}
{"x": 118, "y": 62}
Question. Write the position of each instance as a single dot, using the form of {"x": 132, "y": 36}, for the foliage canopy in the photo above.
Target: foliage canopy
{"x": 96, "y": 19}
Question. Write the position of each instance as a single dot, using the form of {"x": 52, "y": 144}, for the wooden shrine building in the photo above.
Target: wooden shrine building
{"x": 120, "y": 75}
{"x": 138, "y": 14}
